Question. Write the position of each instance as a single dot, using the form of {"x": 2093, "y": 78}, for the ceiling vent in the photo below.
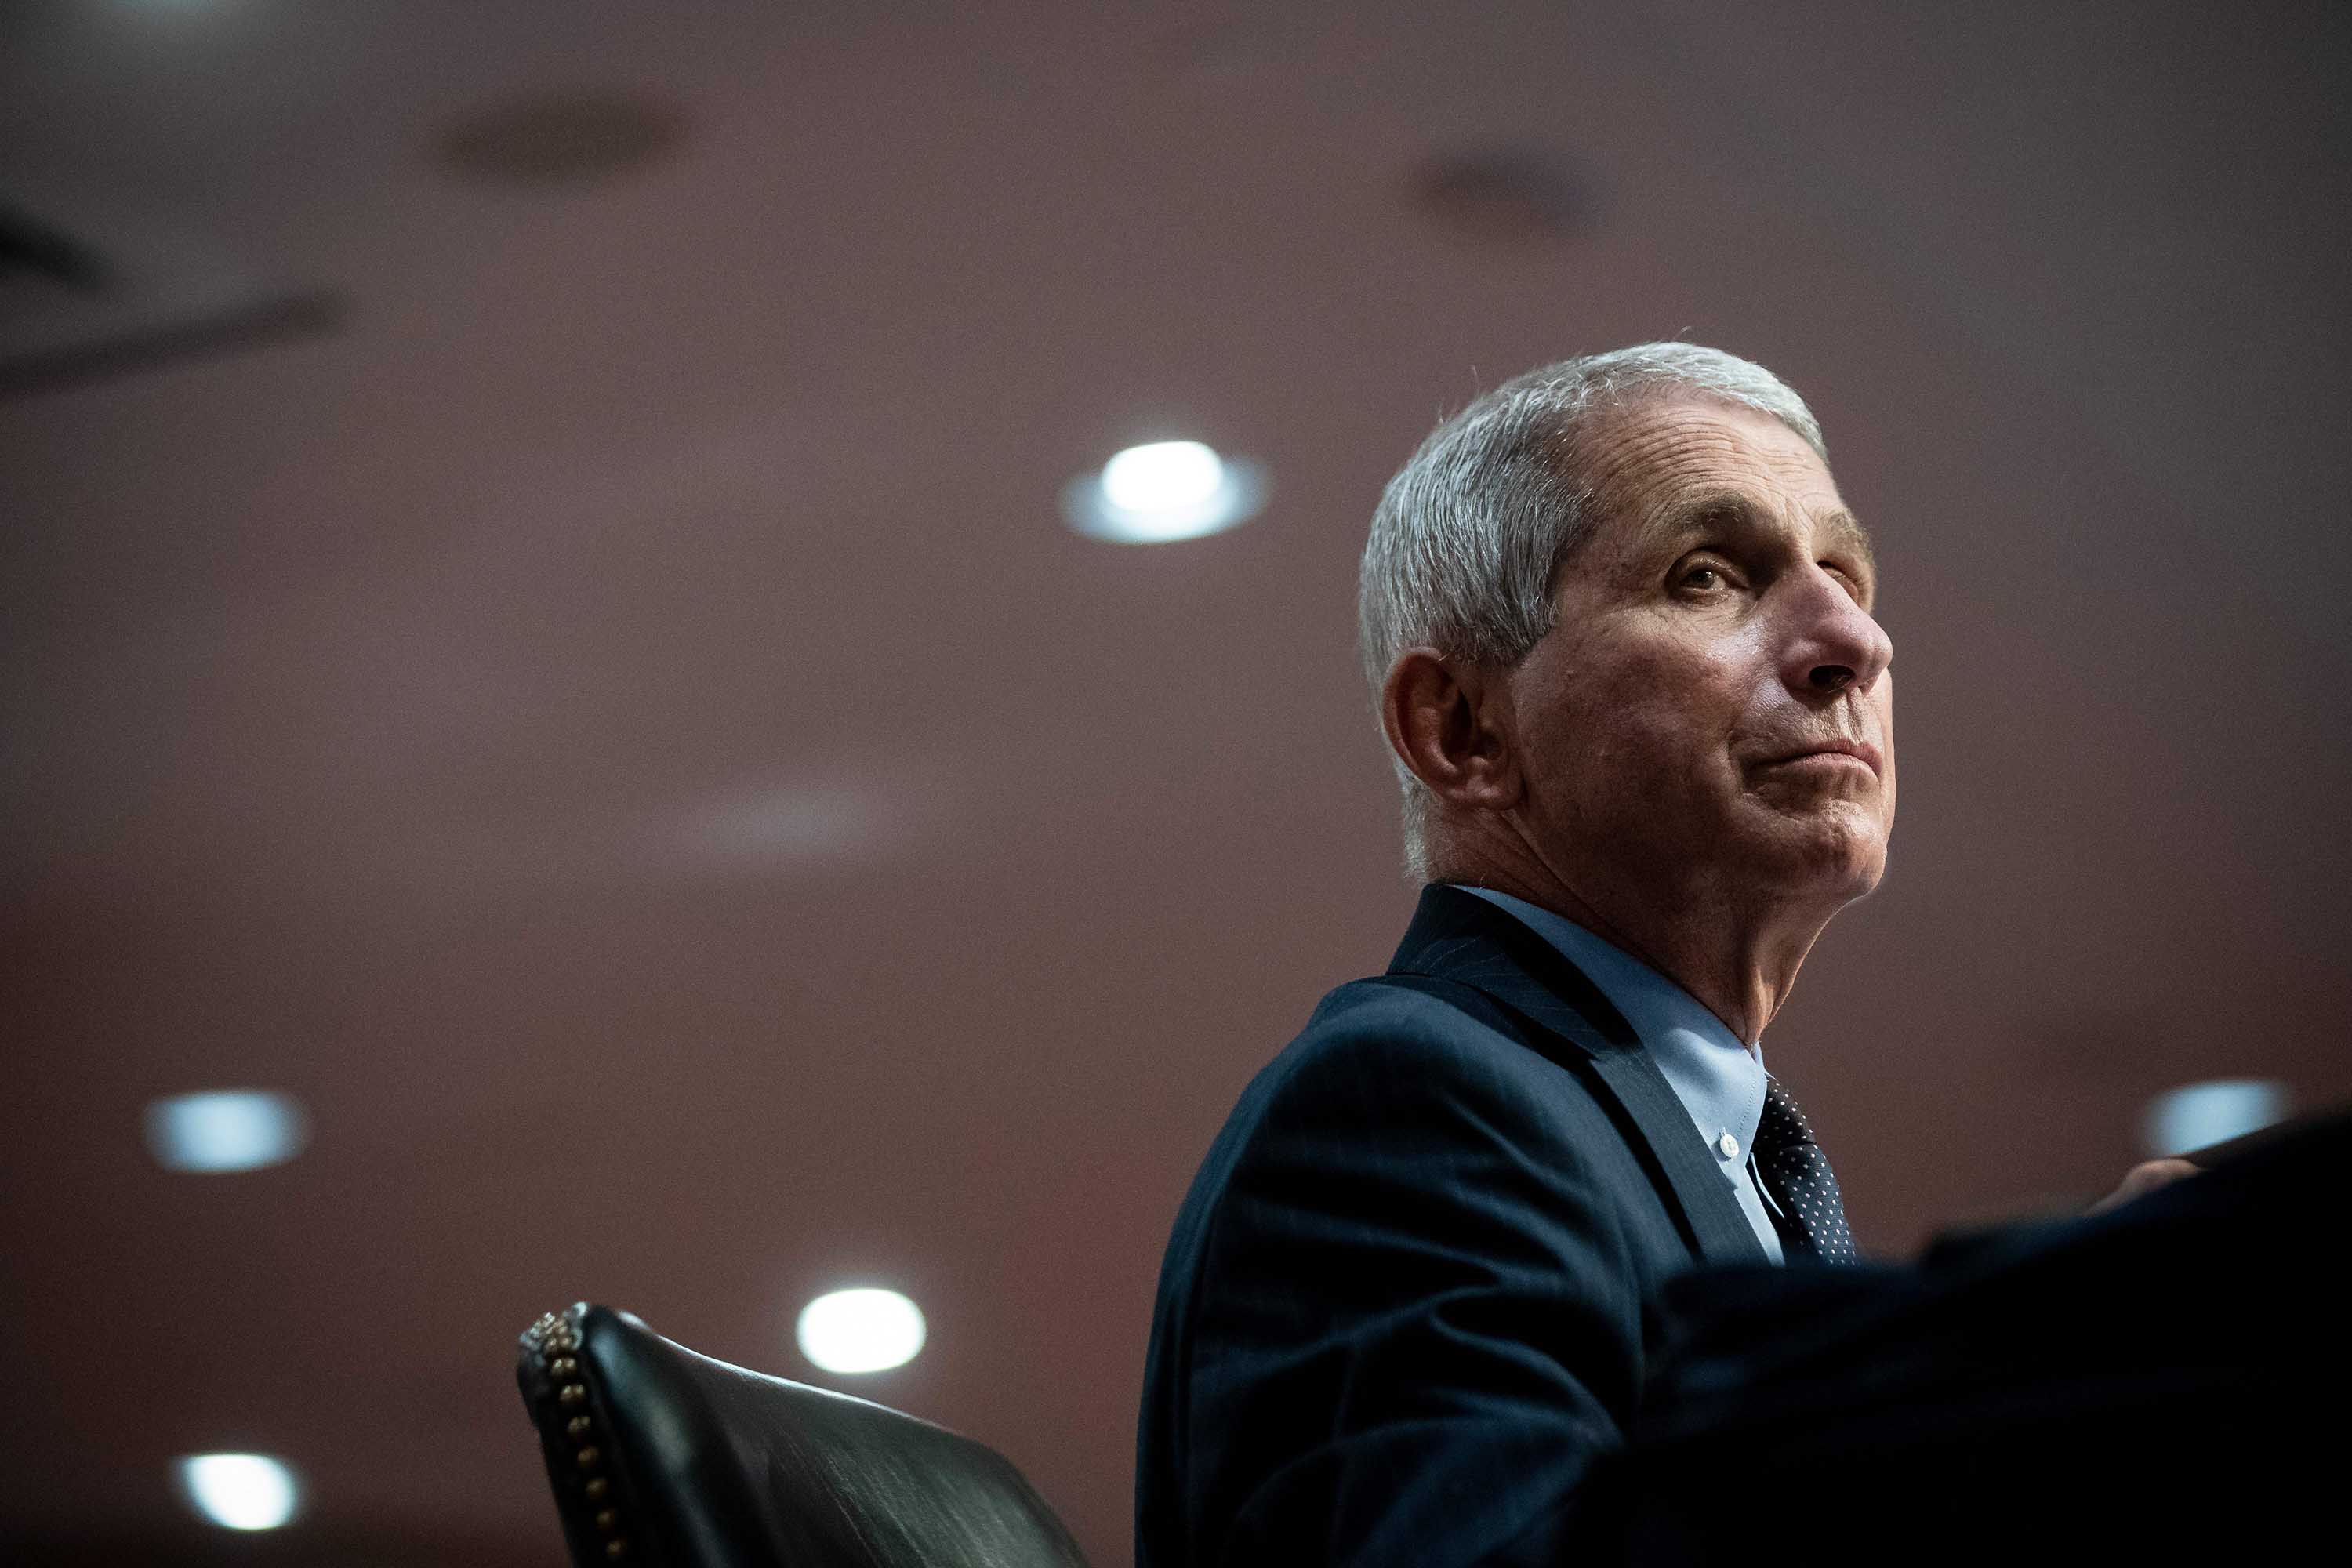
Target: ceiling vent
{"x": 565, "y": 136}
{"x": 98, "y": 296}
{"x": 1505, "y": 195}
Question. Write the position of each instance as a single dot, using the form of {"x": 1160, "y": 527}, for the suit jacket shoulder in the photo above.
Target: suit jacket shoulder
{"x": 1403, "y": 1313}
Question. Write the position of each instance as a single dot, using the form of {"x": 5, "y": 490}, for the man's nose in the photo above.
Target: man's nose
{"x": 1837, "y": 647}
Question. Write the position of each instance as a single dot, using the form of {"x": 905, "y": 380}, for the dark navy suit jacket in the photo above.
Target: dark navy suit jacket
{"x": 1404, "y": 1311}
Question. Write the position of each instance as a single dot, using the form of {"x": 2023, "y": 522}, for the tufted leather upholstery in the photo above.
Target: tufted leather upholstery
{"x": 660, "y": 1456}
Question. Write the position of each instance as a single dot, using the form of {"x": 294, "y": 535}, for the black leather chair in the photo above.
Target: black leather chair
{"x": 661, "y": 1455}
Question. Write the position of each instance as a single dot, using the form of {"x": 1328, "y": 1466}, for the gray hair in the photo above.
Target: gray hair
{"x": 1472, "y": 531}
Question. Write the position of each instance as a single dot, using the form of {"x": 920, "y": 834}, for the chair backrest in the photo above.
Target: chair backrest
{"x": 661, "y": 1455}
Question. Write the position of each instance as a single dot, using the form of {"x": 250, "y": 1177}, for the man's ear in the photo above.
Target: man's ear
{"x": 1449, "y": 721}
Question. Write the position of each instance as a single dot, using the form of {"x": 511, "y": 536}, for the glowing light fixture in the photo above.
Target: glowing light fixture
{"x": 226, "y": 1130}
{"x": 860, "y": 1330}
{"x": 1162, "y": 491}
{"x": 2214, "y": 1111}
{"x": 1166, "y": 476}
{"x": 240, "y": 1491}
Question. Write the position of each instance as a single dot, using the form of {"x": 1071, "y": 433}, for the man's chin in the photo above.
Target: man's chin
{"x": 1838, "y": 853}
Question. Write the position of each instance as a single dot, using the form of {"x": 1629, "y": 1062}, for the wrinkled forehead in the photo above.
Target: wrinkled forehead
{"x": 1655, "y": 462}
{"x": 1649, "y": 449}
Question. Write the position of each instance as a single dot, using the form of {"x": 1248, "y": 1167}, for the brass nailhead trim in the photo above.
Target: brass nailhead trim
{"x": 557, "y": 1340}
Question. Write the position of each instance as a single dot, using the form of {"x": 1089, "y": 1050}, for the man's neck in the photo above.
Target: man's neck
{"x": 1740, "y": 965}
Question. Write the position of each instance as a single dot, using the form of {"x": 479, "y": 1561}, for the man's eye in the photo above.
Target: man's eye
{"x": 1702, "y": 578}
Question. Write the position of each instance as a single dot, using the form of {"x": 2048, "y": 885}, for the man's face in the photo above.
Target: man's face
{"x": 1714, "y": 638}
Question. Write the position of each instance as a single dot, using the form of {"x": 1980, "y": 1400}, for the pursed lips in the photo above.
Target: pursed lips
{"x": 1861, "y": 751}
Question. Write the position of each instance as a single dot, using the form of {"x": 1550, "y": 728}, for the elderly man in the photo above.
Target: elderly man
{"x": 1618, "y": 624}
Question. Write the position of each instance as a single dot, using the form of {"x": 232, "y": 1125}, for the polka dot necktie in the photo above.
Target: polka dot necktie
{"x": 1809, "y": 1216}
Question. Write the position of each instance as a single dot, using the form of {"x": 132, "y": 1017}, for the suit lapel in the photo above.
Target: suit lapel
{"x": 1461, "y": 937}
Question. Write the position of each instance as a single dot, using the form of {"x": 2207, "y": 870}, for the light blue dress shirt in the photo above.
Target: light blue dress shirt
{"x": 1718, "y": 1079}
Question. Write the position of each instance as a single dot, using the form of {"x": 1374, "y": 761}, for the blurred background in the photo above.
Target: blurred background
{"x": 546, "y": 627}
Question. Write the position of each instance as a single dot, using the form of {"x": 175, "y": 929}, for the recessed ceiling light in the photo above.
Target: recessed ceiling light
{"x": 860, "y": 1330}
{"x": 1162, "y": 491}
{"x": 1165, "y": 476}
{"x": 804, "y": 823}
{"x": 226, "y": 1130}
{"x": 2199, "y": 1114}
{"x": 240, "y": 1491}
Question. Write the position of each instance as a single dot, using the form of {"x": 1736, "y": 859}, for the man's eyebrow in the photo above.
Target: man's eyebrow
{"x": 1698, "y": 515}
{"x": 1730, "y": 509}
{"x": 1844, "y": 528}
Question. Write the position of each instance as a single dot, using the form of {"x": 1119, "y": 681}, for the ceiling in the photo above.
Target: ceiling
{"x": 616, "y": 724}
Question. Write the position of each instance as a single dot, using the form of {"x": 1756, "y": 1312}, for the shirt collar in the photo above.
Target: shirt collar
{"x": 1718, "y": 1079}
